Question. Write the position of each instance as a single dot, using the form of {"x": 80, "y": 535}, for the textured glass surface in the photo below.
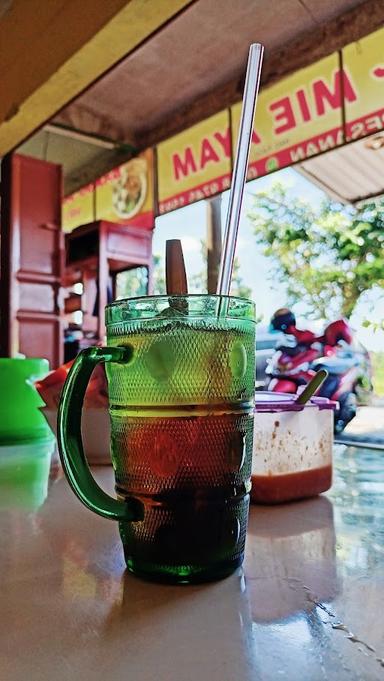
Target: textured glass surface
{"x": 181, "y": 417}
{"x": 183, "y": 353}
{"x": 192, "y": 476}
{"x": 184, "y": 361}
{"x": 181, "y": 374}
{"x": 153, "y": 307}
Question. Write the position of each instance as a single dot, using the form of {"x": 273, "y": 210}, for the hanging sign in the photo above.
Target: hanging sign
{"x": 195, "y": 164}
{"x": 125, "y": 194}
{"x": 78, "y": 208}
{"x": 299, "y": 117}
{"x": 364, "y": 64}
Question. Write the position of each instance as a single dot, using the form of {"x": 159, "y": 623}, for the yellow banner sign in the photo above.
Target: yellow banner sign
{"x": 335, "y": 100}
{"x": 125, "y": 194}
{"x": 300, "y": 116}
{"x": 78, "y": 208}
{"x": 195, "y": 164}
{"x": 364, "y": 64}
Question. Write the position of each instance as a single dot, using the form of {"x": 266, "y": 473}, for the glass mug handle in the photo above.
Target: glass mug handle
{"x": 69, "y": 436}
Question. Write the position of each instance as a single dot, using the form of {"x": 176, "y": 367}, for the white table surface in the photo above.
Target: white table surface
{"x": 308, "y": 604}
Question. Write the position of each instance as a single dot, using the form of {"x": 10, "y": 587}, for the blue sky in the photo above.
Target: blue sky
{"x": 189, "y": 225}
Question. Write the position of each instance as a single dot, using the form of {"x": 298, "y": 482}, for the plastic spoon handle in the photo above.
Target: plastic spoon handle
{"x": 175, "y": 268}
{"x": 312, "y": 386}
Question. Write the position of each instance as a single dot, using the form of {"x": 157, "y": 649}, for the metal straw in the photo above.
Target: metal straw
{"x": 251, "y": 89}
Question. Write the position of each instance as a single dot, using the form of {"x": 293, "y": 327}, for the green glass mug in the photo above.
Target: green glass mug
{"x": 181, "y": 372}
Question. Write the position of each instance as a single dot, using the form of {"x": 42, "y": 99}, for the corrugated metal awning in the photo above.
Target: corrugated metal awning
{"x": 350, "y": 174}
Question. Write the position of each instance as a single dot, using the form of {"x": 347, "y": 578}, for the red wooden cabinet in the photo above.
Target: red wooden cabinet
{"x": 32, "y": 259}
{"x": 36, "y": 265}
{"x": 95, "y": 253}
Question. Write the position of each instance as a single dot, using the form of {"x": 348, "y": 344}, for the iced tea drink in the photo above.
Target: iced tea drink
{"x": 181, "y": 373}
{"x": 182, "y": 424}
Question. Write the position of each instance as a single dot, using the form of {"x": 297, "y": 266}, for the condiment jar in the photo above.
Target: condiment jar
{"x": 292, "y": 448}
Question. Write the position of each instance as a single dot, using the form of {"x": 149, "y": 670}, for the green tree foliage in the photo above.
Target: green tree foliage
{"x": 158, "y": 275}
{"x": 378, "y": 372}
{"x": 238, "y": 288}
{"x": 198, "y": 282}
{"x": 326, "y": 256}
{"x": 131, "y": 283}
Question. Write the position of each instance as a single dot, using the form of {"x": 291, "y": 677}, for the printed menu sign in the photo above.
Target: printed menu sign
{"x": 364, "y": 63}
{"x": 78, "y": 208}
{"x": 125, "y": 194}
{"x": 298, "y": 117}
{"x": 321, "y": 107}
{"x": 195, "y": 164}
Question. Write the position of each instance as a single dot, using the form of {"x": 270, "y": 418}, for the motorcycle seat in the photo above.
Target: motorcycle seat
{"x": 291, "y": 351}
{"x": 334, "y": 365}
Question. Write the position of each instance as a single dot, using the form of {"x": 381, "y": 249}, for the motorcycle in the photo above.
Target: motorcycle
{"x": 296, "y": 362}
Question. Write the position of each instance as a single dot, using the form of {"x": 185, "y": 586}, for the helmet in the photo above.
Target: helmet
{"x": 282, "y": 319}
{"x": 337, "y": 331}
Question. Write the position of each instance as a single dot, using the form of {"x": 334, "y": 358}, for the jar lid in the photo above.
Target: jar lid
{"x": 324, "y": 403}
{"x": 271, "y": 402}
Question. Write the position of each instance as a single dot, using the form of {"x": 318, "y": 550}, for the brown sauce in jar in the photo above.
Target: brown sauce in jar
{"x": 275, "y": 489}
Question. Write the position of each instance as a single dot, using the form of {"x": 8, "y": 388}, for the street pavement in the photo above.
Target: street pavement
{"x": 367, "y": 427}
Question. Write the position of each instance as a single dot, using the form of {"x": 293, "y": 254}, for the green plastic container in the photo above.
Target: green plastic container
{"x": 24, "y": 474}
{"x": 20, "y": 415}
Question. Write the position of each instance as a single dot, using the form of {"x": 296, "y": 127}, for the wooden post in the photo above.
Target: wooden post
{"x": 103, "y": 276}
{"x": 175, "y": 275}
{"x": 213, "y": 242}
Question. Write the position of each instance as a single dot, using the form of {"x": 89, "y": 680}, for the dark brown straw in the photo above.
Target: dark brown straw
{"x": 176, "y": 278}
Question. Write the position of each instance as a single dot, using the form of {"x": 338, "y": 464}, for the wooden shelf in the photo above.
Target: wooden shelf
{"x": 95, "y": 253}
{"x": 72, "y": 303}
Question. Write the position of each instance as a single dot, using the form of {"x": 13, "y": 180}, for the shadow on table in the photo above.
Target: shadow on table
{"x": 290, "y": 561}
{"x": 184, "y": 632}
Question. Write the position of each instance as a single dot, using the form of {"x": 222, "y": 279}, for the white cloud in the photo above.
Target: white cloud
{"x": 190, "y": 244}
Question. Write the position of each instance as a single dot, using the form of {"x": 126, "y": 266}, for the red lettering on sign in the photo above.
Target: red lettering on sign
{"x": 329, "y": 141}
{"x": 284, "y": 113}
{"x": 303, "y": 104}
{"x": 322, "y": 93}
{"x": 373, "y": 123}
{"x": 225, "y": 141}
{"x": 356, "y": 130}
{"x": 297, "y": 154}
{"x": 74, "y": 212}
{"x": 208, "y": 154}
{"x": 316, "y": 145}
{"x": 182, "y": 167}
{"x": 255, "y": 138}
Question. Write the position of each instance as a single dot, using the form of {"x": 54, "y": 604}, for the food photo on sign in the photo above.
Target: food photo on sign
{"x": 129, "y": 189}
{"x": 125, "y": 194}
